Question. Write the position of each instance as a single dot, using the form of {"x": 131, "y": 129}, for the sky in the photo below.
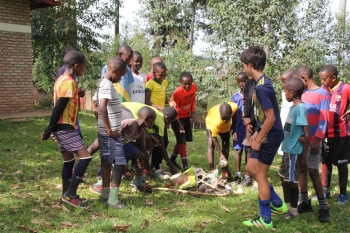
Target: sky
{"x": 130, "y": 7}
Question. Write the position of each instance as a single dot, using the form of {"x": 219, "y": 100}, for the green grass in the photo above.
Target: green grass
{"x": 30, "y": 187}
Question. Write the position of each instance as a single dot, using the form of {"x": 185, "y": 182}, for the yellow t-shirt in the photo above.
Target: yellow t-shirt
{"x": 215, "y": 124}
{"x": 158, "y": 91}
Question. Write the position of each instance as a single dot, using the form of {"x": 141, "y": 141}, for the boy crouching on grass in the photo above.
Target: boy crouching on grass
{"x": 294, "y": 157}
{"x": 63, "y": 126}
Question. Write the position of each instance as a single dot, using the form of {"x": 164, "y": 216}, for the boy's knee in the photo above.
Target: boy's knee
{"x": 313, "y": 173}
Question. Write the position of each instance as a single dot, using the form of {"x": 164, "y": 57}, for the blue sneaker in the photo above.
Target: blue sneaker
{"x": 326, "y": 196}
{"x": 342, "y": 199}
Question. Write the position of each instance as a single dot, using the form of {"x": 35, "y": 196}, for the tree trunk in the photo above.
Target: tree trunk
{"x": 192, "y": 25}
{"x": 116, "y": 25}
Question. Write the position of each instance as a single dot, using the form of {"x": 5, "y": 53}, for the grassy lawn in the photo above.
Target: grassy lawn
{"x": 30, "y": 187}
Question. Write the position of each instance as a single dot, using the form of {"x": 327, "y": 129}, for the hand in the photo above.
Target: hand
{"x": 315, "y": 146}
{"x": 193, "y": 115}
{"x": 346, "y": 114}
{"x": 114, "y": 134}
{"x": 172, "y": 103}
{"x": 255, "y": 145}
{"x": 253, "y": 137}
{"x": 155, "y": 140}
{"x": 303, "y": 165}
{"x": 234, "y": 136}
{"x": 246, "y": 121}
{"x": 249, "y": 127}
{"x": 302, "y": 139}
{"x": 81, "y": 92}
{"x": 182, "y": 129}
{"x": 44, "y": 136}
{"x": 222, "y": 157}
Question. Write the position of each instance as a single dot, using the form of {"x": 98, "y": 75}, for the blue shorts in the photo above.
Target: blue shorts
{"x": 111, "y": 150}
{"x": 238, "y": 145}
{"x": 267, "y": 153}
{"x": 129, "y": 150}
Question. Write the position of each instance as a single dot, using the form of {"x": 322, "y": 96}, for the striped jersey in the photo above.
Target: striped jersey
{"x": 339, "y": 102}
{"x": 106, "y": 90}
{"x": 317, "y": 107}
{"x": 66, "y": 87}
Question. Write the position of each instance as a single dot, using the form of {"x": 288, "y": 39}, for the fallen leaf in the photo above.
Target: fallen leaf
{"x": 67, "y": 224}
{"x": 28, "y": 229}
{"x": 145, "y": 224}
{"x": 121, "y": 228}
{"x": 49, "y": 161}
{"x": 36, "y": 211}
{"x": 148, "y": 202}
{"x": 15, "y": 207}
{"x": 41, "y": 221}
{"x": 19, "y": 172}
{"x": 42, "y": 206}
{"x": 65, "y": 209}
{"x": 225, "y": 208}
{"x": 207, "y": 221}
{"x": 56, "y": 207}
{"x": 159, "y": 219}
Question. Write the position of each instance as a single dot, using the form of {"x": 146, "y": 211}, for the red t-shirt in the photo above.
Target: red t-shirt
{"x": 148, "y": 77}
{"x": 185, "y": 101}
{"x": 340, "y": 99}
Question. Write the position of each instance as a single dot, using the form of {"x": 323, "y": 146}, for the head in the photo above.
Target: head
{"x": 293, "y": 88}
{"x": 159, "y": 72}
{"x": 329, "y": 76}
{"x": 68, "y": 49}
{"x": 126, "y": 53}
{"x": 240, "y": 79}
{"x": 225, "y": 112}
{"x": 186, "y": 80}
{"x": 288, "y": 73}
{"x": 304, "y": 73}
{"x": 136, "y": 61}
{"x": 116, "y": 68}
{"x": 154, "y": 61}
{"x": 253, "y": 58}
{"x": 169, "y": 114}
{"x": 76, "y": 61}
{"x": 148, "y": 115}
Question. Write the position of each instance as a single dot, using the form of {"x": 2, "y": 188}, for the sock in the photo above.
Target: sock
{"x": 175, "y": 152}
{"x": 238, "y": 174}
{"x": 81, "y": 166}
{"x": 113, "y": 195}
{"x": 265, "y": 210}
{"x": 67, "y": 174}
{"x": 183, "y": 154}
{"x": 322, "y": 203}
{"x": 274, "y": 198}
{"x": 305, "y": 198}
{"x": 72, "y": 190}
{"x": 343, "y": 173}
{"x": 138, "y": 180}
{"x": 117, "y": 174}
{"x": 105, "y": 192}
{"x": 286, "y": 192}
{"x": 294, "y": 196}
{"x": 173, "y": 157}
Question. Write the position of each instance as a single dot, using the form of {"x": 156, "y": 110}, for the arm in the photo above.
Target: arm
{"x": 305, "y": 147}
{"x": 164, "y": 154}
{"x": 322, "y": 124}
{"x": 104, "y": 117}
{"x": 193, "y": 107}
{"x": 269, "y": 121}
{"x": 148, "y": 100}
{"x": 217, "y": 146}
{"x": 57, "y": 112}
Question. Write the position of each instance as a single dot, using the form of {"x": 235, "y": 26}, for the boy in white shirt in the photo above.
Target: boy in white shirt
{"x": 137, "y": 88}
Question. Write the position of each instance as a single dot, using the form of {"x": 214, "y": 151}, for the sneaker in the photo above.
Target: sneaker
{"x": 82, "y": 200}
{"x": 158, "y": 174}
{"x": 342, "y": 199}
{"x": 96, "y": 188}
{"x": 237, "y": 179}
{"x": 323, "y": 215}
{"x": 144, "y": 188}
{"x": 73, "y": 201}
{"x": 99, "y": 173}
{"x": 258, "y": 222}
{"x": 279, "y": 210}
{"x": 289, "y": 215}
{"x": 246, "y": 182}
{"x": 119, "y": 205}
{"x": 326, "y": 196}
{"x": 304, "y": 207}
{"x": 127, "y": 176}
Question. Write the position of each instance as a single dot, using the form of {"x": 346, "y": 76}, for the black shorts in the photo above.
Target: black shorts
{"x": 182, "y": 138}
{"x": 224, "y": 136}
{"x": 339, "y": 151}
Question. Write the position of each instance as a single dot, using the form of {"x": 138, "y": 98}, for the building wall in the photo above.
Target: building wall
{"x": 16, "y": 83}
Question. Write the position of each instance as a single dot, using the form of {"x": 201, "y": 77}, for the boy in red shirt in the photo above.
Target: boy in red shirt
{"x": 185, "y": 98}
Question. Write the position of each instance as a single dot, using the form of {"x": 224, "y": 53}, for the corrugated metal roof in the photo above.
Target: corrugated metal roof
{"x": 35, "y": 4}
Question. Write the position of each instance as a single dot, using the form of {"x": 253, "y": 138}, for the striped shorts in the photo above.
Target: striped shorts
{"x": 69, "y": 141}
{"x": 111, "y": 150}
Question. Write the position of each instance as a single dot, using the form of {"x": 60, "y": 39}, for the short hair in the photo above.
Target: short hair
{"x": 125, "y": 49}
{"x": 304, "y": 71}
{"x": 242, "y": 75}
{"x": 254, "y": 55}
{"x": 226, "y": 108}
{"x": 146, "y": 112}
{"x": 288, "y": 73}
{"x": 159, "y": 65}
{"x": 185, "y": 74}
{"x": 330, "y": 69}
{"x": 68, "y": 49}
{"x": 72, "y": 58}
{"x": 296, "y": 85}
{"x": 137, "y": 53}
{"x": 170, "y": 112}
{"x": 116, "y": 62}
{"x": 154, "y": 60}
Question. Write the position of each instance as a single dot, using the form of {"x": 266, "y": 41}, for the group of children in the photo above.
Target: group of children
{"x": 132, "y": 119}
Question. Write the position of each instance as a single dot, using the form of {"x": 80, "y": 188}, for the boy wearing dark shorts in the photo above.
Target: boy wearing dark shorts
{"x": 63, "y": 126}
{"x": 338, "y": 131}
{"x": 185, "y": 99}
{"x": 266, "y": 139}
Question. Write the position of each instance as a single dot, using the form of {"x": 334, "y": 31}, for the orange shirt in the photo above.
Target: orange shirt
{"x": 66, "y": 87}
{"x": 185, "y": 101}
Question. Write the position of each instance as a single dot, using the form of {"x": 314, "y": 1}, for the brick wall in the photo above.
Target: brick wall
{"x": 16, "y": 85}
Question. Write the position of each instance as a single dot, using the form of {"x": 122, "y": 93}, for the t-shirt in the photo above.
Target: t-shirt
{"x": 105, "y": 90}
{"x": 122, "y": 87}
{"x": 131, "y": 132}
{"x": 264, "y": 99}
{"x": 66, "y": 87}
{"x": 293, "y": 129}
{"x": 158, "y": 91}
{"x": 185, "y": 101}
{"x": 237, "y": 98}
{"x": 248, "y": 101}
{"x": 285, "y": 106}
{"x": 215, "y": 124}
{"x": 340, "y": 99}
{"x": 159, "y": 123}
{"x": 137, "y": 88}
{"x": 317, "y": 107}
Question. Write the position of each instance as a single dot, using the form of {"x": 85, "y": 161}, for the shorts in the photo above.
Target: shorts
{"x": 129, "y": 150}
{"x": 290, "y": 169}
{"x": 267, "y": 152}
{"x": 238, "y": 145}
{"x": 313, "y": 161}
{"x": 339, "y": 150}
{"x": 111, "y": 150}
{"x": 247, "y": 136}
{"x": 223, "y": 136}
{"x": 69, "y": 141}
{"x": 182, "y": 138}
